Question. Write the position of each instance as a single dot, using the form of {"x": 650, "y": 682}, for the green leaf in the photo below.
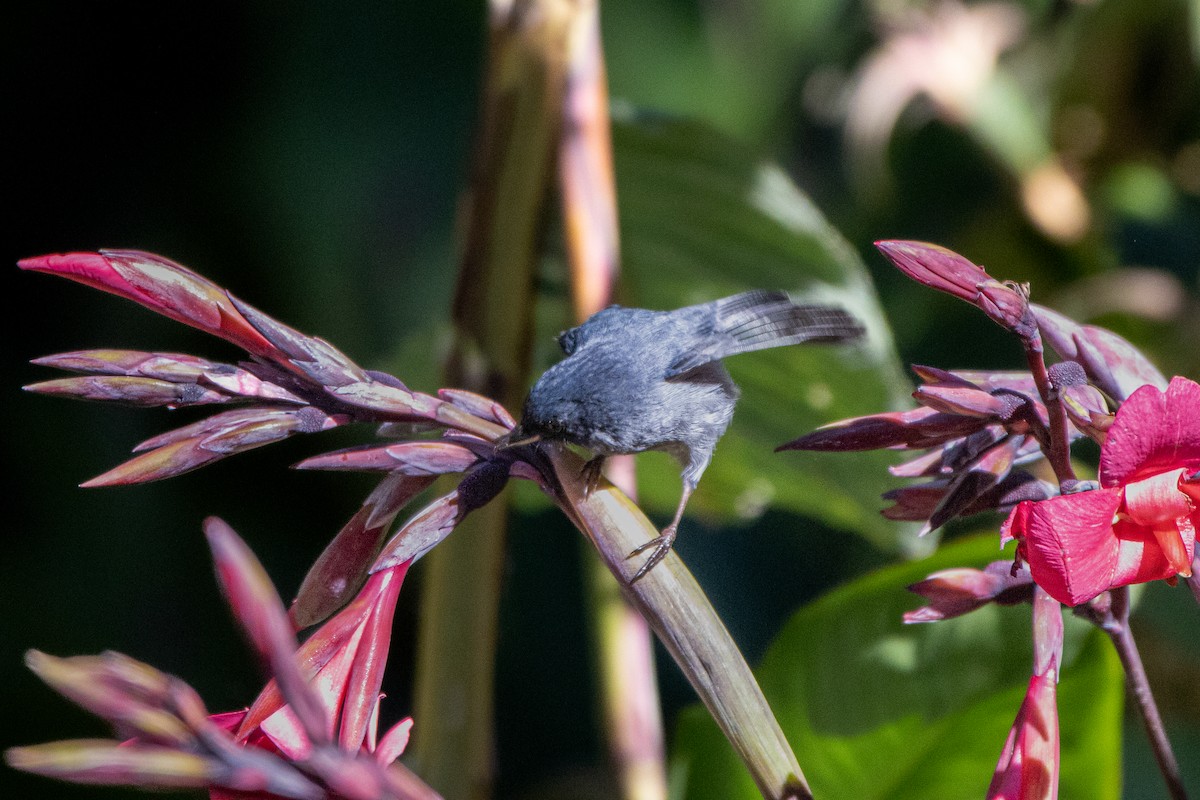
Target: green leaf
{"x": 701, "y": 219}
{"x": 878, "y": 709}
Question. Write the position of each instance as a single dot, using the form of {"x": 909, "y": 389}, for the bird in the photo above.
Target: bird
{"x": 634, "y": 380}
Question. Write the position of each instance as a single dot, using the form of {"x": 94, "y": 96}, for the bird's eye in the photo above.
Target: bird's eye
{"x": 569, "y": 340}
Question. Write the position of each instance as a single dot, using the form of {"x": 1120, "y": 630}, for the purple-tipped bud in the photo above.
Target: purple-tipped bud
{"x": 221, "y": 435}
{"x": 954, "y": 592}
{"x": 174, "y": 367}
{"x": 406, "y": 458}
{"x": 341, "y": 569}
{"x": 1112, "y": 363}
{"x": 914, "y": 503}
{"x": 919, "y": 428}
{"x": 966, "y": 400}
{"x": 1087, "y": 410}
{"x": 1006, "y": 303}
{"x": 145, "y": 392}
{"x": 936, "y": 267}
{"x": 112, "y": 763}
{"x": 480, "y": 406}
{"x": 419, "y": 535}
{"x": 128, "y": 694}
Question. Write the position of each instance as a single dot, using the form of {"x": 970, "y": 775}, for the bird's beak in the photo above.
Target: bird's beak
{"x": 508, "y": 441}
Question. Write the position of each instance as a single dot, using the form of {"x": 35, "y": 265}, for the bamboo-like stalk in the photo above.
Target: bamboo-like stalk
{"x": 679, "y": 612}
{"x": 623, "y": 652}
{"x": 504, "y": 208}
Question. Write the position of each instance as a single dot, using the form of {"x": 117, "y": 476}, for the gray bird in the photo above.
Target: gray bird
{"x": 636, "y": 380}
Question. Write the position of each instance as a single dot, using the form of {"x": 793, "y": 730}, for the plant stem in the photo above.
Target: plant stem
{"x": 1117, "y": 627}
{"x": 1060, "y": 446}
{"x": 503, "y": 210}
{"x": 456, "y": 656}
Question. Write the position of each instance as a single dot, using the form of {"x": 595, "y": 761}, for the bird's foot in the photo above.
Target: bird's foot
{"x": 591, "y": 473}
{"x": 659, "y": 548}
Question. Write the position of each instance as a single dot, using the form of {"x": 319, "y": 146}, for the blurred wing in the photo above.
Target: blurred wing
{"x": 759, "y": 319}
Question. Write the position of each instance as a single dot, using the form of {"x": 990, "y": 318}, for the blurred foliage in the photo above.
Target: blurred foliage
{"x": 310, "y": 159}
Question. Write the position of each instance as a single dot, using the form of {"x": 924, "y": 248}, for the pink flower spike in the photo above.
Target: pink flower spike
{"x": 343, "y": 662}
{"x": 160, "y": 285}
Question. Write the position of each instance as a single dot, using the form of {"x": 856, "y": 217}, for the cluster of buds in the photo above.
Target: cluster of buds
{"x": 976, "y": 431}
{"x": 1079, "y": 542}
{"x": 312, "y": 732}
{"x": 981, "y": 433}
{"x": 292, "y": 383}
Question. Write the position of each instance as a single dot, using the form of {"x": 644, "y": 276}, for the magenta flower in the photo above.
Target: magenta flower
{"x": 1140, "y": 525}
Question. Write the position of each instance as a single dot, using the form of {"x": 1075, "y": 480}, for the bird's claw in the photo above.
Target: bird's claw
{"x": 659, "y": 547}
{"x": 591, "y": 473}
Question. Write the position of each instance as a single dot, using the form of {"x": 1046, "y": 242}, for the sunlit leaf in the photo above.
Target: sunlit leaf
{"x": 879, "y": 709}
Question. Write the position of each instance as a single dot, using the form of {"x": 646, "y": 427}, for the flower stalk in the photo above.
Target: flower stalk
{"x": 1113, "y": 619}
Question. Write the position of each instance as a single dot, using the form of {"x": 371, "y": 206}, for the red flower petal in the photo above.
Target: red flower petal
{"x": 1154, "y": 431}
{"x": 1070, "y": 544}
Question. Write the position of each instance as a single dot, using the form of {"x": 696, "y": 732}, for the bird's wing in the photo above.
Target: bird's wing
{"x": 759, "y": 319}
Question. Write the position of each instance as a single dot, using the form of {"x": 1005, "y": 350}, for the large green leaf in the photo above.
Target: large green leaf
{"x": 700, "y": 219}
{"x": 878, "y": 709}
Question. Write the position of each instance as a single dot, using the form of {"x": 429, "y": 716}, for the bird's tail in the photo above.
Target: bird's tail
{"x": 759, "y": 319}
